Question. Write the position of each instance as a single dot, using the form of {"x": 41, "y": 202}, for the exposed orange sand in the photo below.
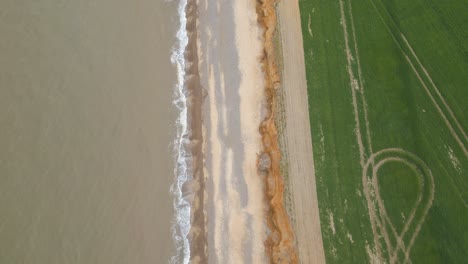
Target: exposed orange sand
{"x": 280, "y": 243}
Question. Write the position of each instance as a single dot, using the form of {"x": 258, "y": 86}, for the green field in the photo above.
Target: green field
{"x": 388, "y": 97}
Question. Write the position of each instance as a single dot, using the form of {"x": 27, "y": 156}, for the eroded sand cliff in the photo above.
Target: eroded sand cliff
{"x": 280, "y": 242}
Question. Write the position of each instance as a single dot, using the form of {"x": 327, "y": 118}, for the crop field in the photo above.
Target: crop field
{"x": 388, "y": 98}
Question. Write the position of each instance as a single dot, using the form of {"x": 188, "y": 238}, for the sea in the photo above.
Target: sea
{"x": 93, "y": 132}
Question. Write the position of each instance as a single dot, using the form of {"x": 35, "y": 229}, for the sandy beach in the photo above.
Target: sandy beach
{"x": 229, "y": 48}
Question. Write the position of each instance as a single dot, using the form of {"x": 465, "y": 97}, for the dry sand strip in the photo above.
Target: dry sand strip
{"x": 229, "y": 44}
{"x": 299, "y": 142}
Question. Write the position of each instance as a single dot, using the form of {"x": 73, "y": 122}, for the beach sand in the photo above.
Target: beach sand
{"x": 229, "y": 51}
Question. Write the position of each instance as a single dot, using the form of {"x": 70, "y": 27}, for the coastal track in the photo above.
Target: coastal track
{"x": 301, "y": 171}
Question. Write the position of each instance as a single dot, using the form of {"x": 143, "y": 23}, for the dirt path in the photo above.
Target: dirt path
{"x": 299, "y": 142}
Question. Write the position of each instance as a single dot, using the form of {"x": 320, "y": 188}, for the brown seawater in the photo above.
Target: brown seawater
{"x": 86, "y": 130}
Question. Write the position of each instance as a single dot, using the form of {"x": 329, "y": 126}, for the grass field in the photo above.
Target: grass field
{"x": 388, "y": 100}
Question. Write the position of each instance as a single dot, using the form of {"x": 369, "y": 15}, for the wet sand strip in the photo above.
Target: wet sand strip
{"x": 198, "y": 232}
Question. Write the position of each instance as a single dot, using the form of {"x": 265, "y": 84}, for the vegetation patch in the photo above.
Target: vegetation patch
{"x": 387, "y": 94}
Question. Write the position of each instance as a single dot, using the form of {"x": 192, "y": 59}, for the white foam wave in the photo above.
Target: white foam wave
{"x": 182, "y": 171}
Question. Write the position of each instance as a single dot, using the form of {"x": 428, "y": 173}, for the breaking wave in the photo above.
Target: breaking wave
{"x": 182, "y": 172}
